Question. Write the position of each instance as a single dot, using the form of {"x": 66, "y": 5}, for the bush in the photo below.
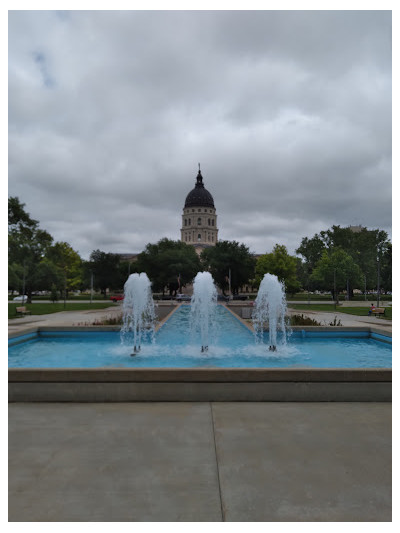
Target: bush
{"x": 301, "y": 320}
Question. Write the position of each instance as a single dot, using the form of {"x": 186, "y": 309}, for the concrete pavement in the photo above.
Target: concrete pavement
{"x": 200, "y": 461}
{"x": 88, "y": 317}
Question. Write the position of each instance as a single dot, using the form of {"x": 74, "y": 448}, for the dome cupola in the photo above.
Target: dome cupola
{"x": 199, "y": 196}
{"x": 199, "y": 217}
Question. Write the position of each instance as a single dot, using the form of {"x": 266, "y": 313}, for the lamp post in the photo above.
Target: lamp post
{"x": 23, "y": 286}
{"x": 334, "y": 286}
{"x": 365, "y": 286}
{"x": 91, "y": 286}
{"x": 379, "y": 280}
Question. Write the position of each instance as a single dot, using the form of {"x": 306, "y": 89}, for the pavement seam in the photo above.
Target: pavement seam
{"x": 217, "y": 463}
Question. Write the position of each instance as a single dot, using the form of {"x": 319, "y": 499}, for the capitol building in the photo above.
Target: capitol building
{"x": 199, "y": 217}
{"x": 199, "y": 220}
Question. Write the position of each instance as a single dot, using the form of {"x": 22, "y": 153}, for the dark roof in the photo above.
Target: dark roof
{"x": 199, "y": 196}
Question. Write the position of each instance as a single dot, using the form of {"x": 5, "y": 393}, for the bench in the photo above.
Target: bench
{"x": 22, "y": 311}
{"x": 379, "y": 311}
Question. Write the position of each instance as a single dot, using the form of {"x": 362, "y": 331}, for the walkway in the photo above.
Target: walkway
{"x": 74, "y": 318}
{"x": 212, "y": 462}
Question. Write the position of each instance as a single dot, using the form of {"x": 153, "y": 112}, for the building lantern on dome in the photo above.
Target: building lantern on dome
{"x": 199, "y": 217}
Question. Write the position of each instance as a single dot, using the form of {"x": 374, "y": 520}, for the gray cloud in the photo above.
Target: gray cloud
{"x": 289, "y": 113}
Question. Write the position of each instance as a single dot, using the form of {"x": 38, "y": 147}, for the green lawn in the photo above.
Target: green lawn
{"x": 44, "y": 309}
{"x": 360, "y": 311}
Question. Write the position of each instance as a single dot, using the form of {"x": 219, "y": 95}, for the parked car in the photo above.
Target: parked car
{"x": 240, "y": 297}
{"x": 183, "y": 298}
{"x": 117, "y": 297}
{"x": 20, "y": 299}
{"x": 222, "y": 298}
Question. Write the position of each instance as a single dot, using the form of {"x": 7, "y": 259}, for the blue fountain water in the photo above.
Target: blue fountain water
{"x": 176, "y": 346}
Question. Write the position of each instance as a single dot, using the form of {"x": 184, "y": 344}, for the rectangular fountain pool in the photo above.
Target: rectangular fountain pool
{"x": 317, "y": 364}
{"x": 233, "y": 346}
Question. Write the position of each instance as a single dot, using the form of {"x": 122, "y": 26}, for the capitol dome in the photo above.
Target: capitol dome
{"x": 199, "y": 217}
{"x": 199, "y": 196}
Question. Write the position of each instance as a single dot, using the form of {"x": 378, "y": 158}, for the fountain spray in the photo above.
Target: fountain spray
{"x": 270, "y": 309}
{"x": 138, "y": 310}
{"x": 203, "y": 306}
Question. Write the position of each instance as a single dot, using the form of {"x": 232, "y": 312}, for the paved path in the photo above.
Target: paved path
{"x": 88, "y": 317}
{"x": 198, "y": 462}
{"x": 326, "y": 318}
{"x": 63, "y": 318}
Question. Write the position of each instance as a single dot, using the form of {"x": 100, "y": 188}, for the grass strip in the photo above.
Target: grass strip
{"x": 359, "y": 311}
{"x": 48, "y": 308}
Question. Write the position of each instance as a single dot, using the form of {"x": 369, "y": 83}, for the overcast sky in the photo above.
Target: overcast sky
{"x": 288, "y": 112}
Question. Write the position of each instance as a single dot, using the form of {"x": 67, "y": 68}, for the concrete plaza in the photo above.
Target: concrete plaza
{"x": 200, "y": 461}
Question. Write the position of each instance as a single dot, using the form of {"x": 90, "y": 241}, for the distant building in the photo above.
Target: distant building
{"x": 129, "y": 257}
{"x": 199, "y": 217}
{"x": 356, "y": 229}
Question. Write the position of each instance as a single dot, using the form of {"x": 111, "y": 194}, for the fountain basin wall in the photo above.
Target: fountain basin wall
{"x": 199, "y": 384}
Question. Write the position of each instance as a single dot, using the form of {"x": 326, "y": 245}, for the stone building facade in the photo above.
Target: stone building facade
{"x": 199, "y": 217}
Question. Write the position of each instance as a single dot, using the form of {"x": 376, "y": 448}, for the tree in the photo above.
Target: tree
{"x": 311, "y": 250}
{"x": 15, "y": 277}
{"x": 386, "y": 269}
{"x": 363, "y": 245}
{"x": 105, "y": 269}
{"x": 282, "y": 265}
{"x": 169, "y": 264}
{"x": 27, "y": 244}
{"x": 335, "y": 271}
{"x": 229, "y": 257}
{"x": 46, "y": 275}
{"x": 69, "y": 264}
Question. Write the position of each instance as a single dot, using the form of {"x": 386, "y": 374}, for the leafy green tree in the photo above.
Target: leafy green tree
{"x": 106, "y": 271}
{"x": 225, "y": 257}
{"x": 282, "y": 265}
{"x": 47, "y": 274}
{"x": 363, "y": 245}
{"x": 15, "y": 277}
{"x": 311, "y": 250}
{"x": 27, "y": 244}
{"x": 69, "y": 265}
{"x": 386, "y": 269}
{"x": 168, "y": 264}
{"x": 335, "y": 271}
{"x": 54, "y": 294}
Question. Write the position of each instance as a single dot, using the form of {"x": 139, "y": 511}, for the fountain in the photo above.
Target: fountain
{"x": 270, "y": 309}
{"x": 138, "y": 310}
{"x": 204, "y": 303}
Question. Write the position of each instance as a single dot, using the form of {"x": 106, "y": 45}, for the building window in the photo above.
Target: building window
{"x": 199, "y": 237}
{"x": 212, "y": 222}
{"x": 199, "y": 221}
{"x": 185, "y": 221}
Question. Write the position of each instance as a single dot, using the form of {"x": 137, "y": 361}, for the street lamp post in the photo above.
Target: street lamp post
{"x": 91, "y": 286}
{"x": 334, "y": 286}
{"x": 379, "y": 281}
{"x": 365, "y": 286}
